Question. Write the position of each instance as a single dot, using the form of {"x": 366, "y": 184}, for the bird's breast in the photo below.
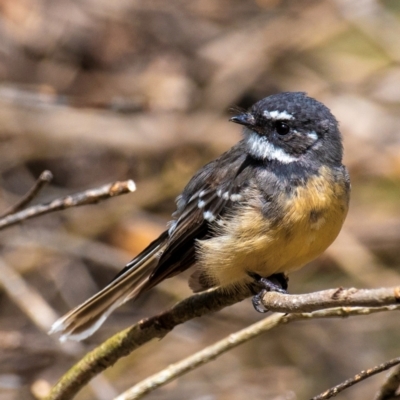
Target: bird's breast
{"x": 302, "y": 224}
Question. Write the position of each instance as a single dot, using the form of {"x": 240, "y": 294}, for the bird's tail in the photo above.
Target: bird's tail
{"x": 84, "y": 320}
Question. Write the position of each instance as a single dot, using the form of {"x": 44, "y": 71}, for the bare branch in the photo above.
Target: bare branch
{"x": 291, "y": 303}
{"x": 130, "y": 339}
{"x": 44, "y": 178}
{"x": 390, "y": 387}
{"x": 357, "y": 378}
{"x": 217, "y": 349}
{"x": 42, "y": 315}
{"x": 123, "y": 343}
{"x": 78, "y": 199}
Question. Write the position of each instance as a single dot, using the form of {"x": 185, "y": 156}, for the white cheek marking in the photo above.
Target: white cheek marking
{"x": 209, "y": 216}
{"x": 259, "y": 147}
{"x": 278, "y": 115}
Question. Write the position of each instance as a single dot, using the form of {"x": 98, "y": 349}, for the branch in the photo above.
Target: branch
{"x": 357, "y": 378}
{"x": 217, "y": 349}
{"x": 130, "y": 339}
{"x": 123, "y": 343}
{"x": 78, "y": 199}
{"x": 390, "y": 387}
{"x": 44, "y": 178}
{"x": 290, "y": 303}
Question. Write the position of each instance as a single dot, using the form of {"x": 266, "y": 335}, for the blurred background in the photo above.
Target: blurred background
{"x": 98, "y": 91}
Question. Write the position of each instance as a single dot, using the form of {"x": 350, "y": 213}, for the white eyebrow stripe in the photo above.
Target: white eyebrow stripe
{"x": 277, "y": 115}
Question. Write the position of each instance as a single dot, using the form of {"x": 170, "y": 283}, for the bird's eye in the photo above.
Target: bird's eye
{"x": 282, "y": 128}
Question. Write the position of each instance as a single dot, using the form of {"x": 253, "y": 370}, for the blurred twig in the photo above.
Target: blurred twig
{"x": 44, "y": 178}
{"x": 42, "y": 315}
{"x": 73, "y": 245}
{"x": 78, "y": 199}
{"x": 242, "y": 56}
{"x": 123, "y": 343}
{"x": 131, "y": 135}
{"x": 211, "y": 352}
{"x": 390, "y": 387}
{"x": 130, "y": 339}
{"x": 332, "y": 392}
{"x": 31, "y": 302}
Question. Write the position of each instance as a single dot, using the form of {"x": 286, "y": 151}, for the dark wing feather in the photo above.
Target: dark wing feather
{"x": 213, "y": 188}
{"x": 207, "y": 196}
{"x": 154, "y": 244}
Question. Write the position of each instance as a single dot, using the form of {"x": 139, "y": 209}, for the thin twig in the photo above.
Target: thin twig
{"x": 290, "y": 303}
{"x": 26, "y": 297}
{"x": 390, "y": 387}
{"x": 71, "y": 244}
{"x": 217, "y": 349}
{"x": 42, "y": 315}
{"x": 357, "y": 378}
{"x": 77, "y": 199}
{"x": 132, "y": 338}
{"x": 44, "y": 178}
{"x": 123, "y": 343}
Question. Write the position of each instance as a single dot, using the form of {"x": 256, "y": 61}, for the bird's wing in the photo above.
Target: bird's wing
{"x": 220, "y": 188}
{"x": 204, "y": 199}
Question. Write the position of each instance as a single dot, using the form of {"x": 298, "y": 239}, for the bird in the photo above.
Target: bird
{"x": 266, "y": 207}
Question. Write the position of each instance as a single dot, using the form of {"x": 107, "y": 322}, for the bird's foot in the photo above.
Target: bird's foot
{"x": 274, "y": 283}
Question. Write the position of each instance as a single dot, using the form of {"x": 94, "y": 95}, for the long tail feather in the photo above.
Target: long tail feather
{"x": 84, "y": 320}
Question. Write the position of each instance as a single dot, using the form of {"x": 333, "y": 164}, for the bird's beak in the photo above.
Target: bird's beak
{"x": 245, "y": 119}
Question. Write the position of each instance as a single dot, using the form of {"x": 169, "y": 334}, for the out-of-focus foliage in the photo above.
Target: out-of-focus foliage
{"x": 98, "y": 91}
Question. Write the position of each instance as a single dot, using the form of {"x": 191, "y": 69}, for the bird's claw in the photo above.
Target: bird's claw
{"x": 267, "y": 286}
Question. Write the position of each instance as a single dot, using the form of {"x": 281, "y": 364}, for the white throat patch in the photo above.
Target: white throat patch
{"x": 259, "y": 147}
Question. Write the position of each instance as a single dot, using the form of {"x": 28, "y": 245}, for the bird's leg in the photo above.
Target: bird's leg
{"x": 281, "y": 280}
{"x": 274, "y": 283}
